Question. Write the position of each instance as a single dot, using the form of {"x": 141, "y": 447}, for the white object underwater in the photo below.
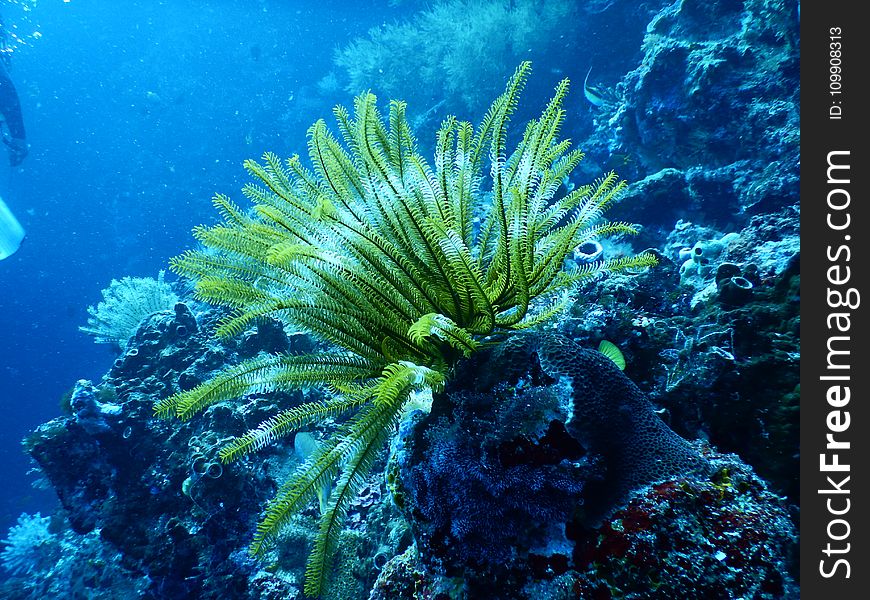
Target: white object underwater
{"x": 11, "y": 232}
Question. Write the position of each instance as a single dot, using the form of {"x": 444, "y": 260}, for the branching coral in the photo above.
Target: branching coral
{"x": 373, "y": 251}
{"x": 450, "y": 44}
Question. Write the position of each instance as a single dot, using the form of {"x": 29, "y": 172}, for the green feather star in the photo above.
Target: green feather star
{"x": 372, "y": 250}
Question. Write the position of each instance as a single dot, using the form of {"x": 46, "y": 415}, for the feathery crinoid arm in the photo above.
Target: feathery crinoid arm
{"x": 528, "y": 231}
{"x": 347, "y": 456}
{"x": 269, "y": 374}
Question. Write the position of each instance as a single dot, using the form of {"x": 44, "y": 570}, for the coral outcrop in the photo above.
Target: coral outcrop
{"x": 542, "y": 470}
{"x": 170, "y": 518}
{"x": 724, "y": 371}
{"x": 710, "y": 116}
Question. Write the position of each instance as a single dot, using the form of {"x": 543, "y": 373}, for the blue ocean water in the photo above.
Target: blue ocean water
{"x": 137, "y": 112}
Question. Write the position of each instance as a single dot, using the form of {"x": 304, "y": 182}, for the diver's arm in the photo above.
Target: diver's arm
{"x": 10, "y": 106}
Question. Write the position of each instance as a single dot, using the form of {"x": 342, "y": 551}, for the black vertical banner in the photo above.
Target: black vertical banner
{"x": 835, "y": 369}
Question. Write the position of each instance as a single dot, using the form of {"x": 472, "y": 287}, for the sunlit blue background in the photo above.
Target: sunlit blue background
{"x": 137, "y": 112}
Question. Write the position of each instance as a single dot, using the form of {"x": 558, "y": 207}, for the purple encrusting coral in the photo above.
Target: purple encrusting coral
{"x": 548, "y": 468}
{"x": 726, "y": 536}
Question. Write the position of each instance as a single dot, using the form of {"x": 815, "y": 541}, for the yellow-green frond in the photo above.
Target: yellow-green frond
{"x": 374, "y": 433}
{"x": 612, "y": 351}
{"x": 365, "y": 432}
{"x": 262, "y": 375}
{"x": 318, "y": 472}
{"x": 542, "y": 315}
{"x": 438, "y": 326}
{"x": 284, "y": 423}
{"x": 638, "y": 262}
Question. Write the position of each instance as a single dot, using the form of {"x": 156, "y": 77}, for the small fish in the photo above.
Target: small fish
{"x": 596, "y": 96}
{"x": 304, "y": 444}
{"x": 618, "y": 161}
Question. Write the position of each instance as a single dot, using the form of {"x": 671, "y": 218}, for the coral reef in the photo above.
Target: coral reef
{"x": 722, "y": 537}
{"x": 489, "y": 458}
{"x": 723, "y": 371}
{"x": 509, "y": 444}
{"x": 113, "y": 472}
{"x": 699, "y": 260}
{"x": 59, "y": 563}
{"x": 710, "y": 116}
{"x": 525, "y": 435}
{"x": 542, "y": 471}
{"x": 173, "y": 521}
{"x": 89, "y": 412}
